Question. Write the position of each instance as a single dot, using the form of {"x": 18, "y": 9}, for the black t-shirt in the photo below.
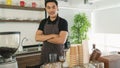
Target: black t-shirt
{"x": 62, "y": 25}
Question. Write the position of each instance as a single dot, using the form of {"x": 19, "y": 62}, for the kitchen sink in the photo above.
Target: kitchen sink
{"x": 31, "y": 48}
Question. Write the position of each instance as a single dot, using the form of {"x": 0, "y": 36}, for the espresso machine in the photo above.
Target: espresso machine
{"x": 9, "y": 43}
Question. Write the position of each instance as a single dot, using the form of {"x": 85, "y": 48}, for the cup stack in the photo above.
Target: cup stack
{"x": 73, "y": 56}
{"x": 80, "y": 54}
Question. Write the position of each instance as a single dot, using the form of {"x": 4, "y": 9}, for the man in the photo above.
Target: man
{"x": 52, "y": 31}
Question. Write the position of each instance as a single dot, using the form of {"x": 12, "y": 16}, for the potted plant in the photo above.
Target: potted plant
{"x": 77, "y": 35}
{"x": 79, "y": 29}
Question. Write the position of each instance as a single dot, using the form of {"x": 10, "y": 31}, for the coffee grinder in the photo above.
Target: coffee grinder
{"x": 9, "y": 43}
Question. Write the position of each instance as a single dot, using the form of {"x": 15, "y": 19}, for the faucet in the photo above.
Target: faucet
{"x": 24, "y": 39}
{"x": 21, "y": 47}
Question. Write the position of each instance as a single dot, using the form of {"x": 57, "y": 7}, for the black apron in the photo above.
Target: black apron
{"x": 50, "y": 47}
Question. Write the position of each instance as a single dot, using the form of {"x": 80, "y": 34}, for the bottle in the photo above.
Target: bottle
{"x": 92, "y": 57}
{"x": 93, "y": 47}
{"x": 96, "y": 53}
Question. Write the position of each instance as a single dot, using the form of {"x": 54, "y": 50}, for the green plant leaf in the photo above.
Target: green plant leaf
{"x": 80, "y": 28}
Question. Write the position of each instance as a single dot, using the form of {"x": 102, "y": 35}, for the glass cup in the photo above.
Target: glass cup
{"x": 62, "y": 60}
{"x": 52, "y": 57}
{"x": 99, "y": 65}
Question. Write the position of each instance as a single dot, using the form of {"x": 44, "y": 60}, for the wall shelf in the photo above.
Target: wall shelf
{"x": 21, "y": 8}
{"x": 36, "y": 21}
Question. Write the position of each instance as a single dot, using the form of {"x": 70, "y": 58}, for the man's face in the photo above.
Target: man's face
{"x": 51, "y": 9}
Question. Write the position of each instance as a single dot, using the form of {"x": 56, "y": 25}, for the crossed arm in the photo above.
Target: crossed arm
{"x": 52, "y": 38}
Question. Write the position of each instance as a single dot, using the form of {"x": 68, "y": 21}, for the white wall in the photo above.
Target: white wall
{"x": 106, "y": 31}
{"x": 27, "y": 29}
{"x": 107, "y": 20}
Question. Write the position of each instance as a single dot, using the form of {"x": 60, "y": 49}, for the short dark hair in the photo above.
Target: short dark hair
{"x": 51, "y": 1}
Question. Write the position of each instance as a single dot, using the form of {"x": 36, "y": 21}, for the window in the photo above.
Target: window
{"x": 106, "y": 42}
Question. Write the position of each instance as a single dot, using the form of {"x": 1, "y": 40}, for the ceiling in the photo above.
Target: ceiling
{"x": 91, "y": 4}
{"x": 101, "y": 4}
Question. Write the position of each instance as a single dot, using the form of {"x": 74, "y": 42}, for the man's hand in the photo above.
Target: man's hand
{"x": 59, "y": 39}
{"x": 41, "y": 37}
{"x": 52, "y": 38}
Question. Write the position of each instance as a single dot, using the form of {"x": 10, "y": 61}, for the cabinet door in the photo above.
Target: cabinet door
{"x": 28, "y": 61}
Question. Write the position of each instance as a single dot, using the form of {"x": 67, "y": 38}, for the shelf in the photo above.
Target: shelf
{"x": 37, "y": 21}
{"x": 21, "y": 8}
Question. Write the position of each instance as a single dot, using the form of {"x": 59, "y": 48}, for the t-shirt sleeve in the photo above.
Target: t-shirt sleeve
{"x": 63, "y": 26}
{"x": 41, "y": 26}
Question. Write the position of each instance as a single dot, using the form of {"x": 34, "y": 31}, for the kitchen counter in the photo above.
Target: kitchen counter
{"x": 28, "y": 58}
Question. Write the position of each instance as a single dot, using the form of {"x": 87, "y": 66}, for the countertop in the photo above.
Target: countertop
{"x": 21, "y": 53}
{"x": 29, "y": 53}
{"x": 27, "y": 50}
